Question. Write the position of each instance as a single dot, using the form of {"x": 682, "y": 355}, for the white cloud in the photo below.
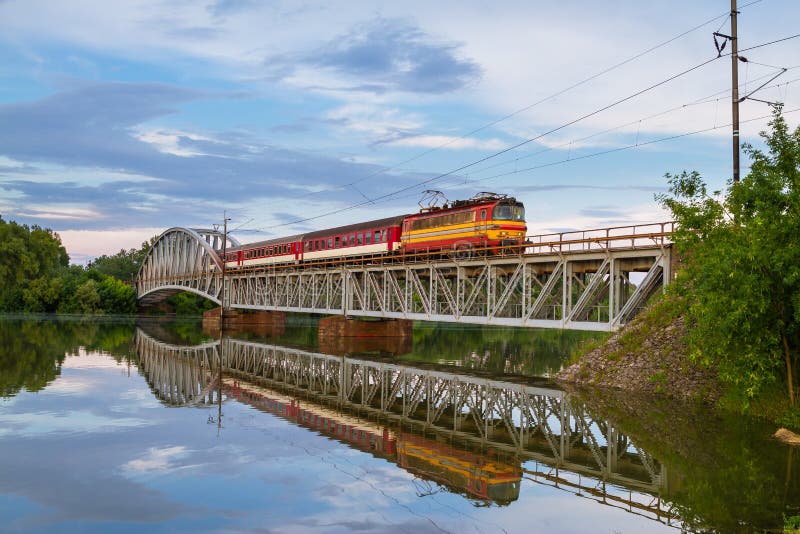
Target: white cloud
{"x": 60, "y": 213}
{"x": 156, "y": 460}
{"x": 73, "y": 422}
{"x": 168, "y": 141}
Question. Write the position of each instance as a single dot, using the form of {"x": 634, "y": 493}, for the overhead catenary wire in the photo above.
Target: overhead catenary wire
{"x": 584, "y": 157}
{"x": 508, "y": 149}
{"x": 529, "y": 140}
{"x": 640, "y": 144}
{"x": 703, "y": 100}
{"x": 627, "y": 147}
{"x": 558, "y": 93}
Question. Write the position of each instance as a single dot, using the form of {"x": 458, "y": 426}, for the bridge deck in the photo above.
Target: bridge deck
{"x": 587, "y": 280}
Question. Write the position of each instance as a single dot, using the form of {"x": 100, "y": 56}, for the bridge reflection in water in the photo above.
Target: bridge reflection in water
{"x": 474, "y": 436}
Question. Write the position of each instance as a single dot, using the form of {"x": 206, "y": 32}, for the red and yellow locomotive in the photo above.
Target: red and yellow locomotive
{"x": 486, "y": 221}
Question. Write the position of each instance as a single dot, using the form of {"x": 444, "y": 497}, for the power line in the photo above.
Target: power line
{"x": 528, "y": 107}
{"x": 508, "y": 149}
{"x": 700, "y": 101}
{"x": 767, "y": 44}
{"x": 527, "y": 141}
{"x": 612, "y": 151}
{"x": 626, "y": 147}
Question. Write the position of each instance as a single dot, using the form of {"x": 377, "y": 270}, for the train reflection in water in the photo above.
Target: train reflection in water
{"x": 468, "y": 434}
{"x": 478, "y": 476}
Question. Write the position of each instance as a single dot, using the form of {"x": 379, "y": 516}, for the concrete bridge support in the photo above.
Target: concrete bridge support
{"x": 259, "y": 322}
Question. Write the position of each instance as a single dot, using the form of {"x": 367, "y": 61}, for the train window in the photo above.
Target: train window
{"x": 506, "y": 212}
{"x": 352, "y": 239}
{"x": 337, "y": 242}
{"x": 377, "y": 236}
{"x": 383, "y": 235}
{"x": 360, "y": 238}
{"x": 483, "y": 215}
{"x": 330, "y": 242}
{"x": 367, "y": 238}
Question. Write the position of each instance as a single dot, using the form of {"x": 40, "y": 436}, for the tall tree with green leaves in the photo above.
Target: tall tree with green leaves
{"x": 741, "y": 249}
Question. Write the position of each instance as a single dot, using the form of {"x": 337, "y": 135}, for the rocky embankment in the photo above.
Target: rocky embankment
{"x": 649, "y": 356}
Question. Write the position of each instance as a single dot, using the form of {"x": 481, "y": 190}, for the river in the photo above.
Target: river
{"x": 125, "y": 425}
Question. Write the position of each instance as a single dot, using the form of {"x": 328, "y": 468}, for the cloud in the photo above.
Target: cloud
{"x": 158, "y": 460}
{"x": 383, "y": 55}
{"x": 67, "y": 140}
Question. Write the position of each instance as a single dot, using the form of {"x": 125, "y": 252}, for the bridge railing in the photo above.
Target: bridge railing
{"x": 617, "y": 237}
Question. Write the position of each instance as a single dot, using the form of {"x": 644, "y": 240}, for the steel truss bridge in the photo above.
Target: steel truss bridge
{"x": 588, "y": 280}
{"x": 559, "y": 442}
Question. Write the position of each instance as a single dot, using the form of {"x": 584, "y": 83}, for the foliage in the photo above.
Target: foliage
{"x": 35, "y": 277}
{"x": 791, "y": 523}
{"x": 189, "y": 304}
{"x": 26, "y": 254}
{"x": 124, "y": 264}
{"x": 742, "y": 266}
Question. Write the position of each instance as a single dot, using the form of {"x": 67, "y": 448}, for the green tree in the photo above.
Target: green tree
{"x": 26, "y": 254}
{"x": 116, "y": 296}
{"x": 742, "y": 265}
{"x": 87, "y": 298}
{"x": 124, "y": 264}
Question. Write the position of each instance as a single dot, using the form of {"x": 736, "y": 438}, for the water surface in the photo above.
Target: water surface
{"x": 114, "y": 425}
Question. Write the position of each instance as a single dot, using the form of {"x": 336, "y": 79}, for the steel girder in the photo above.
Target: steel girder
{"x": 182, "y": 259}
{"x": 533, "y": 423}
{"x": 570, "y": 290}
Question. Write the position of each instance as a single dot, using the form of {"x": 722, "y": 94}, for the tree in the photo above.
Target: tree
{"x": 87, "y": 297}
{"x": 124, "y": 265}
{"x": 742, "y": 265}
{"x": 27, "y": 254}
{"x": 117, "y": 297}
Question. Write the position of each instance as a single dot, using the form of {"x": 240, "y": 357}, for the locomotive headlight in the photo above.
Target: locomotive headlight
{"x": 503, "y": 234}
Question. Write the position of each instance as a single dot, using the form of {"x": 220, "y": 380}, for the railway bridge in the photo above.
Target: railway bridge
{"x": 551, "y": 438}
{"x": 583, "y": 280}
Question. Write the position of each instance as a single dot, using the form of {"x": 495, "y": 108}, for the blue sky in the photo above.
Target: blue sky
{"x": 119, "y": 120}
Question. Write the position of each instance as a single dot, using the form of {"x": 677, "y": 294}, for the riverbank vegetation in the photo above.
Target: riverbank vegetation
{"x": 36, "y": 277}
{"x": 741, "y": 273}
{"x": 738, "y": 289}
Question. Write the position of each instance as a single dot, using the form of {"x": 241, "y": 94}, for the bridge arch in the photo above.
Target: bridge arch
{"x": 182, "y": 259}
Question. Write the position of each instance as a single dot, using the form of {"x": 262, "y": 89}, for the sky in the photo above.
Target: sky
{"x": 119, "y": 120}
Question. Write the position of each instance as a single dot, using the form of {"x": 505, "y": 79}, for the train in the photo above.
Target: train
{"x": 487, "y": 221}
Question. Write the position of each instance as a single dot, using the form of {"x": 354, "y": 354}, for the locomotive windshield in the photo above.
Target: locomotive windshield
{"x": 506, "y": 212}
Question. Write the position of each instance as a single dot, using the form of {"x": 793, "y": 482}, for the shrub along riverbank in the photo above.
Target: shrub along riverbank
{"x": 36, "y": 277}
{"x": 729, "y": 327}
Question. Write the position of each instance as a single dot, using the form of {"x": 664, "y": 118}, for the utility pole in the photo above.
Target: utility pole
{"x": 224, "y": 261}
{"x": 735, "y": 87}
